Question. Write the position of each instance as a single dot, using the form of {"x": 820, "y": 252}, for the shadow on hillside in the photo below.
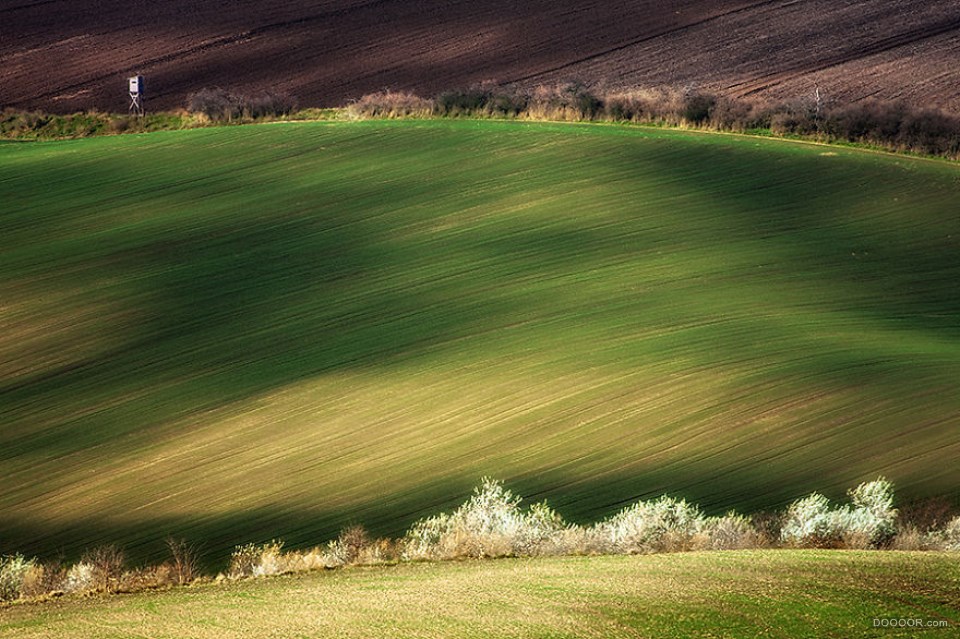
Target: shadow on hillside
{"x": 582, "y": 502}
{"x": 230, "y": 307}
{"x": 238, "y": 305}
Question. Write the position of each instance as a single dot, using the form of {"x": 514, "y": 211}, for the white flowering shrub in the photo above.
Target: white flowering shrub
{"x": 491, "y": 523}
{"x": 951, "y": 535}
{"x": 543, "y": 532}
{"x": 868, "y": 521}
{"x": 808, "y": 520}
{"x": 80, "y": 578}
{"x": 871, "y": 514}
{"x": 13, "y": 569}
{"x": 649, "y": 526}
{"x": 257, "y": 560}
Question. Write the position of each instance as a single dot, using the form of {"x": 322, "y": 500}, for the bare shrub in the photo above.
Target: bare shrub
{"x": 184, "y": 560}
{"x": 462, "y": 102}
{"x": 891, "y": 124}
{"x": 147, "y": 578}
{"x": 303, "y": 561}
{"x": 354, "y": 540}
{"x": 729, "y": 532}
{"x": 381, "y": 550}
{"x": 106, "y": 563}
{"x": 649, "y": 104}
{"x": 569, "y": 101}
{"x": 268, "y": 104}
{"x": 391, "y": 104}
{"x": 258, "y": 560}
{"x": 216, "y": 104}
{"x": 481, "y": 101}
{"x": 44, "y": 578}
{"x": 355, "y": 547}
{"x": 767, "y": 525}
{"x": 925, "y": 514}
{"x": 910, "y": 537}
{"x": 739, "y": 115}
{"x": 697, "y": 107}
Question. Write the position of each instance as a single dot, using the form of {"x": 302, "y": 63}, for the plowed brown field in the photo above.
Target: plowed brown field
{"x": 64, "y": 55}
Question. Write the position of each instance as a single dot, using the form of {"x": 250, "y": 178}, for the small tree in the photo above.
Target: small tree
{"x": 184, "y": 559}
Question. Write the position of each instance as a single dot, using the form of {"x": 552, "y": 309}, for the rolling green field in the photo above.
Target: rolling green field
{"x": 243, "y": 333}
{"x": 730, "y": 594}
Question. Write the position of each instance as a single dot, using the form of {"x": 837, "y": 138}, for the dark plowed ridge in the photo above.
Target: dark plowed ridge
{"x": 64, "y": 55}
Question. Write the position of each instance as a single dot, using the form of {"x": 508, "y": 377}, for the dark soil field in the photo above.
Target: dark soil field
{"x": 65, "y": 55}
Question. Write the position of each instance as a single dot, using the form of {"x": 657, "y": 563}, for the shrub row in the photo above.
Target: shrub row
{"x": 33, "y": 125}
{"x": 494, "y": 523}
{"x": 892, "y": 125}
{"x": 204, "y": 106}
{"x": 220, "y": 105}
{"x": 101, "y": 569}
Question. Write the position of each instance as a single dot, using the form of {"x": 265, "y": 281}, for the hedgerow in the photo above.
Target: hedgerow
{"x": 493, "y": 522}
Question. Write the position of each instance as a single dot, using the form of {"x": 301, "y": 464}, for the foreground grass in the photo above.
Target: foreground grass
{"x": 243, "y": 333}
{"x": 728, "y": 594}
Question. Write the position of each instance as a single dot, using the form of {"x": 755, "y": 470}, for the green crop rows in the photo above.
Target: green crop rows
{"x": 269, "y": 331}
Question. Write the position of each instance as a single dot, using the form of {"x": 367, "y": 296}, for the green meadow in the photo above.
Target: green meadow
{"x": 256, "y": 332}
{"x": 745, "y": 594}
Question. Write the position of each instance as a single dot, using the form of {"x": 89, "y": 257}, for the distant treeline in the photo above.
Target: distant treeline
{"x": 892, "y": 126}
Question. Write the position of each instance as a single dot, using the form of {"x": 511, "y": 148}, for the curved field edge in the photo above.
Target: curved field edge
{"x": 254, "y": 332}
{"x": 729, "y": 594}
{"x": 82, "y": 125}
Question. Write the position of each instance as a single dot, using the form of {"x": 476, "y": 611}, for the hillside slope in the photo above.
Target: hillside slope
{"x": 64, "y": 55}
{"x": 269, "y": 331}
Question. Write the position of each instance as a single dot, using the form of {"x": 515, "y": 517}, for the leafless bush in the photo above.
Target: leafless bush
{"x": 106, "y": 566}
{"x": 255, "y": 560}
{"x": 268, "y": 104}
{"x": 738, "y": 115}
{"x": 390, "y": 104}
{"x": 910, "y": 537}
{"x": 354, "y": 540}
{"x": 697, "y": 107}
{"x": 645, "y": 104}
{"x": 481, "y": 101}
{"x": 147, "y": 578}
{"x": 184, "y": 560}
{"x": 925, "y": 514}
{"x": 768, "y": 526}
{"x": 80, "y": 578}
{"x": 45, "y": 578}
{"x": 216, "y": 104}
{"x": 569, "y": 101}
{"x": 730, "y": 532}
